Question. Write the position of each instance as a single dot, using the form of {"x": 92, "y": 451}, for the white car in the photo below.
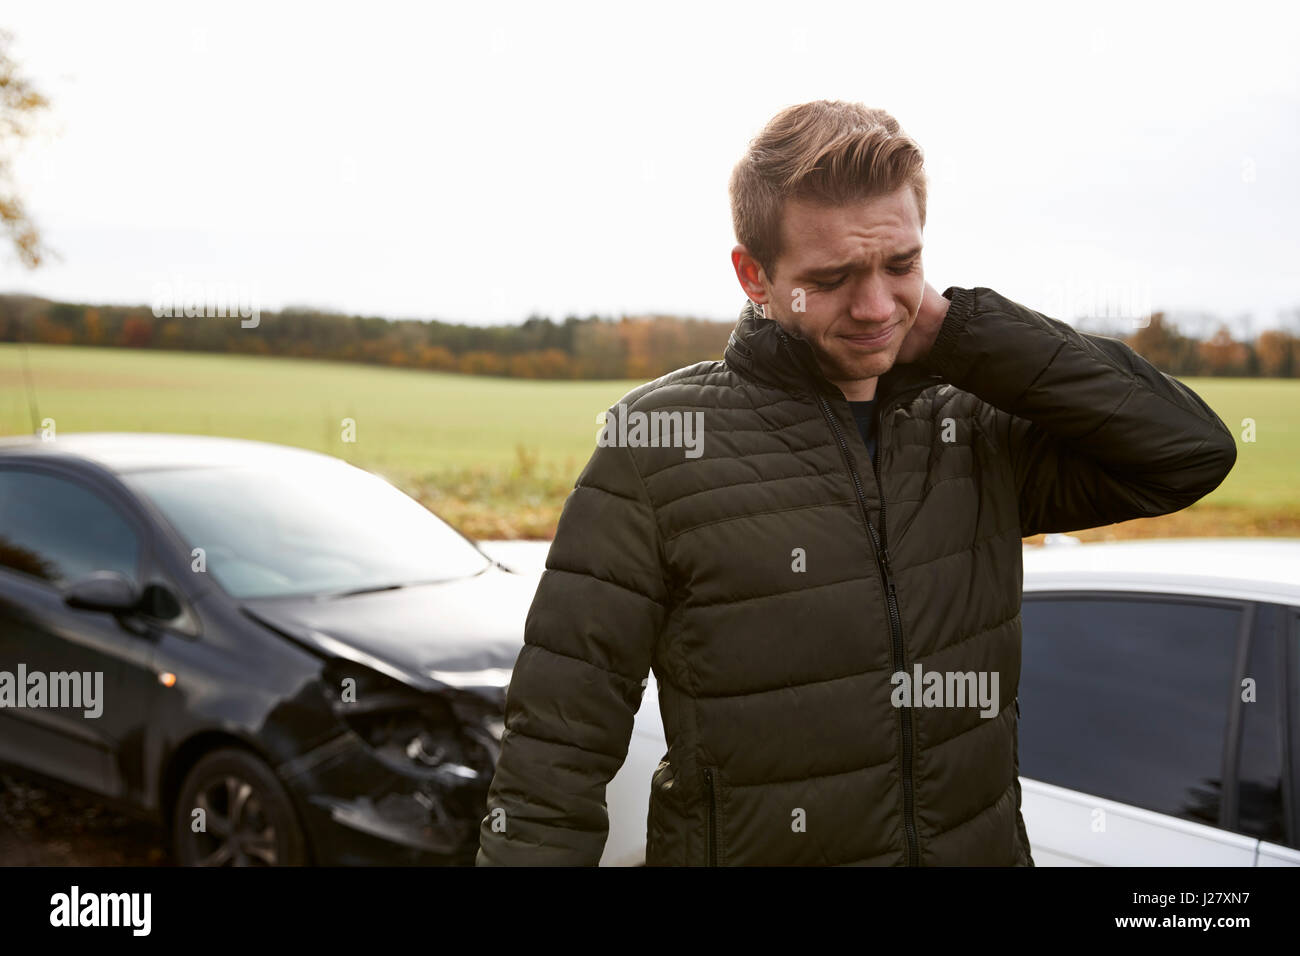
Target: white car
{"x": 627, "y": 796}
{"x": 1159, "y": 700}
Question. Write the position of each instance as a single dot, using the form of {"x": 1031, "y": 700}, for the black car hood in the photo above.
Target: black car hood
{"x": 464, "y": 633}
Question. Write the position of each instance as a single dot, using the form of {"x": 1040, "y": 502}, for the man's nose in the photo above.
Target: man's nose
{"x": 871, "y": 300}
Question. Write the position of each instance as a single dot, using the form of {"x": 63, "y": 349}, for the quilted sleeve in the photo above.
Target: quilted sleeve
{"x": 578, "y": 681}
{"x": 1094, "y": 433}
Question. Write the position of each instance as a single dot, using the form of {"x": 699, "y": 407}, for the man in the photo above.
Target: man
{"x": 796, "y": 595}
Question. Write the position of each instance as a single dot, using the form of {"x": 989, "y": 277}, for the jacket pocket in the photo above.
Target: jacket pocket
{"x": 1022, "y": 834}
{"x": 666, "y": 825}
{"x": 713, "y": 806}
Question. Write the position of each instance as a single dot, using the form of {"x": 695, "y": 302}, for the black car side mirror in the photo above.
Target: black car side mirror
{"x": 102, "y": 591}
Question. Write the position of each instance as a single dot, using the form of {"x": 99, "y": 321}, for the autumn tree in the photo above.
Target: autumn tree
{"x": 1158, "y": 342}
{"x": 1277, "y": 350}
{"x": 19, "y": 105}
{"x": 1223, "y": 355}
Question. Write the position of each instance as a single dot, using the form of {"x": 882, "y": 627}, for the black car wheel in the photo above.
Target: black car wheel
{"x": 248, "y": 819}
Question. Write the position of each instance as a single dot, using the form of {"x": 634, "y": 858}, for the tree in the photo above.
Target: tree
{"x": 19, "y": 103}
{"x": 1159, "y": 342}
{"x": 1223, "y": 355}
{"x": 1276, "y": 349}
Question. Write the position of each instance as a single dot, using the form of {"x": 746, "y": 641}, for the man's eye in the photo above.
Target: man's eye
{"x": 829, "y": 283}
{"x": 903, "y": 270}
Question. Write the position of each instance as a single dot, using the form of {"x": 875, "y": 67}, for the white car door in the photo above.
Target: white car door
{"x": 627, "y": 797}
{"x": 1068, "y": 828}
{"x": 1131, "y": 723}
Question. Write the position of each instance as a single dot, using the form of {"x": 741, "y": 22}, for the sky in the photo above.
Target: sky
{"x": 485, "y": 162}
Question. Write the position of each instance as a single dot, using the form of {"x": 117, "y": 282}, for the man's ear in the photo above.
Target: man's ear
{"x": 751, "y": 275}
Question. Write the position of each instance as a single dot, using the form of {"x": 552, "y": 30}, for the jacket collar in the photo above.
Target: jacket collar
{"x": 760, "y": 349}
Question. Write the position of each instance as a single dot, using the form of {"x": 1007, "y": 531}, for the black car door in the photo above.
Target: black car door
{"x": 56, "y": 526}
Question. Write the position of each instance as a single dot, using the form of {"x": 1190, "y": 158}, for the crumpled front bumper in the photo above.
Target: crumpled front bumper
{"x": 361, "y": 809}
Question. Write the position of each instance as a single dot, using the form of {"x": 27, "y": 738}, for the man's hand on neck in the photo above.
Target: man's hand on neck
{"x": 916, "y": 345}
{"x": 921, "y": 336}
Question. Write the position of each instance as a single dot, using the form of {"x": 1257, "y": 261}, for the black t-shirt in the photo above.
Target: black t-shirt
{"x": 865, "y": 415}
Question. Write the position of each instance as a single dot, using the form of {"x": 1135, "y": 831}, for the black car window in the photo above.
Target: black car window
{"x": 1127, "y": 699}
{"x": 59, "y": 530}
{"x": 1260, "y": 760}
{"x": 1291, "y": 787}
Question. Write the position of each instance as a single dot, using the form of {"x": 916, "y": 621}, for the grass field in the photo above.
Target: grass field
{"x": 496, "y": 456}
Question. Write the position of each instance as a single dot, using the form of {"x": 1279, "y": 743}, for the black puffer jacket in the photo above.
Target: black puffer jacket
{"x": 776, "y": 583}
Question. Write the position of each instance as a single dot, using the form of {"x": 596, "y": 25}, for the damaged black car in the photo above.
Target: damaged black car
{"x": 298, "y": 662}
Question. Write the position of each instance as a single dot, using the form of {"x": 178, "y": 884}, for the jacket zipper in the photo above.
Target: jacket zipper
{"x": 896, "y": 621}
{"x": 881, "y": 548}
{"x": 713, "y": 818}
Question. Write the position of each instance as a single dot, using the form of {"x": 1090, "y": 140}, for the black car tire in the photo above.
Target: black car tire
{"x": 267, "y": 830}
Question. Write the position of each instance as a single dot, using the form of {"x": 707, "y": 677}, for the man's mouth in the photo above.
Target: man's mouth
{"x": 872, "y": 341}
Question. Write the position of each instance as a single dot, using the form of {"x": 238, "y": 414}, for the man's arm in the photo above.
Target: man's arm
{"x": 1095, "y": 433}
{"x": 578, "y": 681}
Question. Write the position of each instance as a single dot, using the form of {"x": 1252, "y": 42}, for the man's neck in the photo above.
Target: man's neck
{"x": 859, "y": 390}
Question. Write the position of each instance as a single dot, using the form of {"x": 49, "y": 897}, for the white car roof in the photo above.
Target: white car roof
{"x": 1254, "y": 569}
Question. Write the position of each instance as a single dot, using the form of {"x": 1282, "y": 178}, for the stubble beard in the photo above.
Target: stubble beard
{"x": 832, "y": 366}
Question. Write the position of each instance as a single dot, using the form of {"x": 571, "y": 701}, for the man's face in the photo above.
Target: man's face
{"x": 859, "y": 266}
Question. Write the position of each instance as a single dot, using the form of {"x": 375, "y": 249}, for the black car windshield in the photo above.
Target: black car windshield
{"x": 305, "y": 529}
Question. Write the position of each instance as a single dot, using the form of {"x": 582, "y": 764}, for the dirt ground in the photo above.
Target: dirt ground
{"x": 48, "y": 827}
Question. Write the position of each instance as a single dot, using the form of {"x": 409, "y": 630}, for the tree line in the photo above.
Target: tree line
{"x": 592, "y": 347}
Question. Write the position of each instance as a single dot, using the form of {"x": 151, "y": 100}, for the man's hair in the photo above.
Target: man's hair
{"x": 826, "y": 151}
